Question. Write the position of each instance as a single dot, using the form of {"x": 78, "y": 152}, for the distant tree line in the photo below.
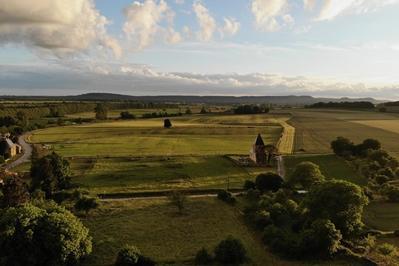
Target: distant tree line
{"x": 348, "y": 105}
{"x": 251, "y": 109}
{"x": 161, "y": 114}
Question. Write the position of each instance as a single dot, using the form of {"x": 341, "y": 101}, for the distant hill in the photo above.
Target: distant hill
{"x": 278, "y": 100}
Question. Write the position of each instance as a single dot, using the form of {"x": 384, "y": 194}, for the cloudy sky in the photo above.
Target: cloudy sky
{"x": 200, "y": 47}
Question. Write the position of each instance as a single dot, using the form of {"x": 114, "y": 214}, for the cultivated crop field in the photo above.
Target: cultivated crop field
{"x": 315, "y": 129}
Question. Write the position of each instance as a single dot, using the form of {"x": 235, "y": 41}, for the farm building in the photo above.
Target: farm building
{"x": 258, "y": 151}
{"x": 9, "y": 149}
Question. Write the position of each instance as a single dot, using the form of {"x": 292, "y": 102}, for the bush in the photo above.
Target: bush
{"x": 86, "y": 204}
{"x": 226, "y": 196}
{"x": 203, "y": 257}
{"x": 167, "y": 123}
{"x": 392, "y": 193}
{"x": 249, "y": 184}
{"x": 387, "y": 249}
{"x": 131, "y": 256}
{"x": 230, "y": 252}
{"x": 381, "y": 179}
{"x": 269, "y": 182}
{"x": 306, "y": 174}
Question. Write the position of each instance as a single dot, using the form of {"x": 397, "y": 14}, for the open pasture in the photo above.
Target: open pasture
{"x": 195, "y": 135}
{"x": 110, "y": 175}
{"x": 315, "y": 129}
{"x": 330, "y": 165}
{"x": 382, "y": 216}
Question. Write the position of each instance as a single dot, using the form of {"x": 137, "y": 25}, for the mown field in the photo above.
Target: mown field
{"x": 110, "y": 175}
{"x": 197, "y": 136}
{"x": 315, "y": 129}
{"x": 137, "y": 155}
{"x": 330, "y": 165}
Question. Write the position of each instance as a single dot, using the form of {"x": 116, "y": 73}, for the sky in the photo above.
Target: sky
{"x": 330, "y": 48}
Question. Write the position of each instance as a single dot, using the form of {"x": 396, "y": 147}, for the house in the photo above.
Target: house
{"x": 258, "y": 151}
{"x": 9, "y": 149}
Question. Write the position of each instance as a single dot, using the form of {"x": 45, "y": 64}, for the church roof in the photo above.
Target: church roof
{"x": 259, "y": 141}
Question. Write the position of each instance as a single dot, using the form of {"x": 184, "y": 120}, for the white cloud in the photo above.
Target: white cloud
{"x": 268, "y": 13}
{"x": 179, "y": 2}
{"x": 309, "y": 4}
{"x": 205, "y": 20}
{"x": 231, "y": 27}
{"x": 61, "y": 27}
{"x": 144, "y": 23}
{"x": 333, "y": 8}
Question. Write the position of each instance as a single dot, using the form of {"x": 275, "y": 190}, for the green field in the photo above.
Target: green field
{"x": 330, "y": 165}
{"x": 382, "y": 216}
{"x": 106, "y": 175}
{"x": 155, "y": 227}
{"x": 197, "y": 136}
{"x": 137, "y": 155}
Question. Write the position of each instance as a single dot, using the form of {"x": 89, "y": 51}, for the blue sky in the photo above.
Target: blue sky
{"x": 234, "y": 47}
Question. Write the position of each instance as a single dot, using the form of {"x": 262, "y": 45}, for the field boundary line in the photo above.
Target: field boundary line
{"x": 285, "y": 144}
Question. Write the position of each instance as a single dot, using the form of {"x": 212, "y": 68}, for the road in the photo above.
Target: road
{"x": 27, "y": 153}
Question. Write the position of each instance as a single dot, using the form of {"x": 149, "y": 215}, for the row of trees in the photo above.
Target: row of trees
{"x": 346, "y": 105}
{"x": 251, "y": 109}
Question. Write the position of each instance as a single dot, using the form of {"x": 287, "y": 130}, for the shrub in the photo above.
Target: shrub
{"x": 131, "y": 256}
{"x": 167, "y": 123}
{"x": 2, "y": 159}
{"x": 392, "y": 193}
{"x": 226, "y": 196}
{"x": 86, "y": 204}
{"x": 269, "y": 182}
{"x": 306, "y": 174}
{"x": 387, "y": 249}
{"x": 230, "y": 252}
{"x": 203, "y": 257}
{"x": 381, "y": 179}
{"x": 249, "y": 184}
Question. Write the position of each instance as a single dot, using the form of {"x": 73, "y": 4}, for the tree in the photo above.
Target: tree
{"x": 167, "y": 123}
{"x": 342, "y": 146}
{"x": 269, "y": 182}
{"x": 203, "y": 110}
{"x": 178, "y": 199}
{"x": 306, "y": 174}
{"x": 15, "y": 192}
{"x": 230, "y": 252}
{"x": 50, "y": 173}
{"x": 341, "y": 202}
{"x": 188, "y": 111}
{"x": 131, "y": 256}
{"x": 42, "y": 237}
{"x": 101, "y": 111}
{"x": 371, "y": 144}
{"x": 322, "y": 239}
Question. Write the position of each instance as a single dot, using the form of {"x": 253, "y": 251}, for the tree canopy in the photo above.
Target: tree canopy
{"x": 42, "y": 237}
{"x": 306, "y": 174}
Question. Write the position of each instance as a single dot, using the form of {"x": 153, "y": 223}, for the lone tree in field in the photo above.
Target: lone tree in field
{"x": 306, "y": 174}
{"x": 269, "y": 182}
{"x": 167, "y": 123}
{"x": 341, "y": 202}
{"x": 42, "y": 237}
{"x": 101, "y": 111}
{"x": 178, "y": 199}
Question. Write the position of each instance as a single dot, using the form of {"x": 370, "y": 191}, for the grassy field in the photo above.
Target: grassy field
{"x": 382, "y": 216}
{"x": 108, "y": 175}
{"x": 197, "y": 135}
{"x": 330, "y": 165}
{"x": 156, "y": 228}
{"x": 315, "y": 129}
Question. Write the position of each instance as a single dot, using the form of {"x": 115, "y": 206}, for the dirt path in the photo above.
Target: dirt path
{"x": 27, "y": 153}
{"x": 285, "y": 144}
{"x": 280, "y": 166}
